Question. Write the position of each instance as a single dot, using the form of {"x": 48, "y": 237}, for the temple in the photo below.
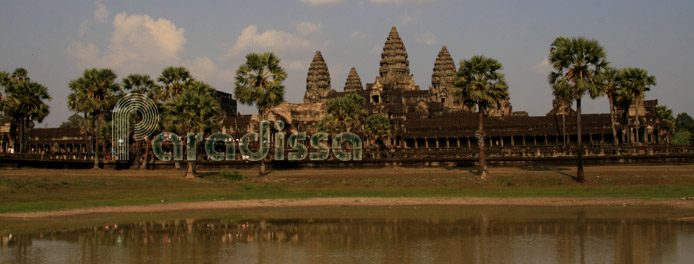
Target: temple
{"x": 427, "y": 124}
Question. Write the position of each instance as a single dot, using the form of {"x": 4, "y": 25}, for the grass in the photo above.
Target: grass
{"x": 41, "y": 190}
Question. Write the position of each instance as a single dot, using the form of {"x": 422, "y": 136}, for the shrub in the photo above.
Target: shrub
{"x": 681, "y": 138}
{"x": 232, "y": 175}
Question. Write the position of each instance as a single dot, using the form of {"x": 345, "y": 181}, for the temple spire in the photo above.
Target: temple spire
{"x": 444, "y": 68}
{"x": 353, "y": 83}
{"x": 317, "y": 80}
{"x": 394, "y": 57}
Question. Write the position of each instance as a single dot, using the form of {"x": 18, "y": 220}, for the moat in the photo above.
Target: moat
{"x": 406, "y": 234}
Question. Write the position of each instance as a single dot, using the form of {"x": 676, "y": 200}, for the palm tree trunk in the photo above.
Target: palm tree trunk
{"x": 137, "y": 154}
{"x": 146, "y": 159}
{"x": 482, "y": 170}
{"x": 261, "y": 169}
{"x": 628, "y": 125}
{"x": 563, "y": 127}
{"x": 191, "y": 172}
{"x": 21, "y": 136}
{"x": 96, "y": 140}
{"x": 614, "y": 129}
{"x": 579, "y": 171}
{"x": 636, "y": 122}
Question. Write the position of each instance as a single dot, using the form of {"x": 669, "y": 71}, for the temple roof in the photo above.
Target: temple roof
{"x": 353, "y": 82}
{"x": 394, "y": 56}
{"x": 317, "y": 80}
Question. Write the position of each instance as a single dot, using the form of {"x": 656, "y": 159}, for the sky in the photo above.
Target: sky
{"x": 57, "y": 40}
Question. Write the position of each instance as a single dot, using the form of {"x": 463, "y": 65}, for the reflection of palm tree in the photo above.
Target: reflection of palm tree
{"x": 259, "y": 82}
{"x": 480, "y": 82}
{"x": 576, "y": 61}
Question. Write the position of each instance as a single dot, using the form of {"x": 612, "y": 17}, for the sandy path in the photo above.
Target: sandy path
{"x": 359, "y": 201}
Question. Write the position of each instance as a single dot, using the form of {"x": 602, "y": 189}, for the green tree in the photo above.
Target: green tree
{"x": 377, "y": 126}
{"x": 348, "y": 111}
{"x": 633, "y": 85}
{"x": 175, "y": 79}
{"x": 577, "y": 62}
{"x": 25, "y": 102}
{"x": 682, "y": 138}
{"x": 74, "y": 121}
{"x": 144, "y": 85}
{"x": 328, "y": 124}
{"x": 95, "y": 93}
{"x": 194, "y": 110}
{"x": 479, "y": 82}
{"x": 608, "y": 84}
{"x": 665, "y": 119}
{"x": 259, "y": 82}
{"x": 685, "y": 122}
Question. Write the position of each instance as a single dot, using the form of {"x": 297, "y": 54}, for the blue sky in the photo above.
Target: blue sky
{"x": 57, "y": 40}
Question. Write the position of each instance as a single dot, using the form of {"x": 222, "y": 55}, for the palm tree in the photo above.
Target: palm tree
{"x": 26, "y": 102}
{"x": 347, "y": 110}
{"x": 144, "y": 85}
{"x": 195, "y": 110}
{"x": 377, "y": 126}
{"x": 634, "y": 83}
{"x": 577, "y": 61}
{"x": 94, "y": 93}
{"x": 175, "y": 80}
{"x": 608, "y": 86}
{"x": 259, "y": 82}
{"x": 665, "y": 119}
{"x": 479, "y": 81}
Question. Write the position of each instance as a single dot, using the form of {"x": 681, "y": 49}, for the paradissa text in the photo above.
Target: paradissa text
{"x": 294, "y": 141}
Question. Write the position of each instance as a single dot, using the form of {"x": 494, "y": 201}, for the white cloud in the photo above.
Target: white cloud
{"x": 377, "y": 48}
{"x": 542, "y": 67}
{"x": 407, "y": 20}
{"x": 426, "y": 38}
{"x": 357, "y": 35}
{"x": 321, "y": 2}
{"x": 138, "y": 43}
{"x": 202, "y": 67}
{"x": 307, "y": 28}
{"x": 296, "y": 65}
{"x": 271, "y": 40}
{"x": 403, "y": 1}
{"x": 84, "y": 25}
{"x": 101, "y": 13}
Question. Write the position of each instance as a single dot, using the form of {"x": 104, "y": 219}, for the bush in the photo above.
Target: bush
{"x": 232, "y": 175}
{"x": 681, "y": 138}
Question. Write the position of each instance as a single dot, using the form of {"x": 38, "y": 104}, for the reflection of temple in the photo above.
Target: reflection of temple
{"x": 471, "y": 235}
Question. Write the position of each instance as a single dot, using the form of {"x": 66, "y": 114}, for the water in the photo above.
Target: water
{"x": 431, "y": 234}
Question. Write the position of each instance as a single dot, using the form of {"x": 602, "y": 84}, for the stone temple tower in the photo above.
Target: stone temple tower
{"x": 394, "y": 72}
{"x": 353, "y": 83}
{"x": 317, "y": 81}
{"x": 442, "y": 79}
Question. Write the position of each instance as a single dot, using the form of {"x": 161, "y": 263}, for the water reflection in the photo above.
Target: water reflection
{"x": 370, "y": 235}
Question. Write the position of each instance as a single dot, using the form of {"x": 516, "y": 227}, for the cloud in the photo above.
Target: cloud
{"x": 403, "y": 1}
{"x": 357, "y": 35}
{"x": 377, "y": 48}
{"x": 321, "y": 2}
{"x": 307, "y": 28}
{"x": 542, "y": 67}
{"x": 407, "y": 20}
{"x": 426, "y": 38}
{"x": 101, "y": 13}
{"x": 271, "y": 40}
{"x": 138, "y": 43}
{"x": 296, "y": 65}
{"x": 202, "y": 67}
